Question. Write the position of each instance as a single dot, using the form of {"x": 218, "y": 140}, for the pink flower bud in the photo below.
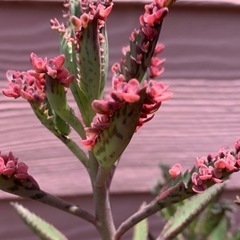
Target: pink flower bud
{"x": 104, "y": 106}
{"x": 104, "y": 11}
{"x": 39, "y": 64}
{"x": 175, "y": 170}
{"x": 237, "y": 145}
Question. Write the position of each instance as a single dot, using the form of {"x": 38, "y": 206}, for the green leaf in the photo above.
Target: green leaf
{"x": 62, "y": 126}
{"x": 236, "y": 236}
{"x": 113, "y": 140}
{"x": 104, "y": 60}
{"x": 220, "y": 232}
{"x": 188, "y": 212}
{"x": 57, "y": 98}
{"x": 140, "y": 231}
{"x": 40, "y": 227}
{"x": 210, "y": 219}
{"x": 90, "y": 61}
{"x": 72, "y": 64}
{"x": 89, "y": 64}
{"x": 131, "y": 68}
{"x": 75, "y": 8}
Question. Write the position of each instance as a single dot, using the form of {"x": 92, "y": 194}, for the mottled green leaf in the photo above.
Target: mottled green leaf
{"x": 188, "y": 212}
{"x": 72, "y": 64}
{"x": 220, "y": 232}
{"x": 90, "y": 61}
{"x": 56, "y": 96}
{"x": 140, "y": 231}
{"x": 235, "y": 236}
{"x": 210, "y": 219}
{"x": 113, "y": 140}
{"x": 40, "y": 227}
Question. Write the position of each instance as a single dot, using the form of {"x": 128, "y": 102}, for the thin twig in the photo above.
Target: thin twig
{"x": 65, "y": 206}
{"x": 75, "y": 149}
{"x": 164, "y": 199}
{"x": 30, "y": 189}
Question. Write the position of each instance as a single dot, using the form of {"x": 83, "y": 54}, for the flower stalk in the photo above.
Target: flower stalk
{"x": 103, "y": 206}
{"x": 107, "y": 122}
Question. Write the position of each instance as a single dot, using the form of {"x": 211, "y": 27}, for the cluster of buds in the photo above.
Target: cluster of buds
{"x": 212, "y": 169}
{"x": 142, "y": 51}
{"x": 135, "y": 95}
{"x": 25, "y": 85}
{"x": 30, "y": 85}
{"x": 154, "y": 93}
{"x": 156, "y": 68}
{"x": 10, "y": 167}
{"x": 52, "y": 67}
{"x": 91, "y": 11}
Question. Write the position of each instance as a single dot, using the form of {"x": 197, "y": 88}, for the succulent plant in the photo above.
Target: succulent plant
{"x": 108, "y": 120}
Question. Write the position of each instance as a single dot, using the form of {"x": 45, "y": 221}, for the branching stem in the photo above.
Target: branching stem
{"x": 66, "y": 207}
{"x": 164, "y": 199}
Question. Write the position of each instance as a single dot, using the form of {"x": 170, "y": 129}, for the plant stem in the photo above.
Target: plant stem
{"x": 111, "y": 173}
{"x": 75, "y": 149}
{"x": 68, "y": 116}
{"x": 48, "y": 122}
{"x": 103, "y": 207}
{"x": 82, "y": 103}
{"x": 143, "y": 213}
{"x": 93, "y": 168}
{"x": 30, "y": 189}
{"x": 65, "y": 206}
{"x": 164, "y": 199}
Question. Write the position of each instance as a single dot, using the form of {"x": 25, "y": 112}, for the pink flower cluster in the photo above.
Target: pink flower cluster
{"x": 142, "y": 52}
{"x": 126, "y": 92}
{"x": 154, "y": 13}
{"x": 12, "y": 168}
{"x": 156, "y": 65}
{"x": 94, "y": 10}
{"x": 212, "y": 169}
{"x": 52, "y": 67}
{"x": 30, "y": 85}
{"x": 25, "y": 85}
{"x": 91, "y": 11}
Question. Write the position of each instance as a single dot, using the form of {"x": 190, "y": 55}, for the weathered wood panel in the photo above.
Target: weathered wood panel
{"x": 203, "y": 69}
{"x": 76, "y": 229}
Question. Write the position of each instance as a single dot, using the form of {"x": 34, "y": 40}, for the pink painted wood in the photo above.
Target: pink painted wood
{"x": 203, "y": 70}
